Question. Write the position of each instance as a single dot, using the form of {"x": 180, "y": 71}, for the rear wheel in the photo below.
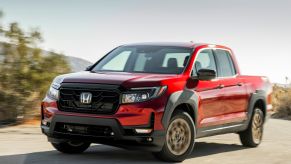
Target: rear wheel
{"x": 71, "y": 147}
{"x": 252, "y": 137}
{"x": 179, "y": 138}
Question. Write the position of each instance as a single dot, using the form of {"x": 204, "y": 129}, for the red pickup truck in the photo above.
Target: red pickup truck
{"x": 158, "y": 97}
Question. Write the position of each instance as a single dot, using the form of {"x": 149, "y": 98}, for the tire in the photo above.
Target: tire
{"x": 71, "y": 147}
{"x": 179, "y": 139}
{"x": 252, "y": 136}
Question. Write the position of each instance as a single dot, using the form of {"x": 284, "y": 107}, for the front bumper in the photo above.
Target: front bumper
{"x": 122, "y": 136}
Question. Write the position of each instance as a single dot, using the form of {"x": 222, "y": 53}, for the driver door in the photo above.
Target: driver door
{"x": 209, "y": 91}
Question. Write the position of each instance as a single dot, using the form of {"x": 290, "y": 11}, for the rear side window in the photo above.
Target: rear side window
{"x": 204, "y": 60}
{"x": 225, "y": 63}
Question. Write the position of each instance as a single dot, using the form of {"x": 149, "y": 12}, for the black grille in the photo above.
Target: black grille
{"x": 104, "y": 101}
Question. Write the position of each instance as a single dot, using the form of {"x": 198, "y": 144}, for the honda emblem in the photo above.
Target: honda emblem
{"x": 86, "y": 97}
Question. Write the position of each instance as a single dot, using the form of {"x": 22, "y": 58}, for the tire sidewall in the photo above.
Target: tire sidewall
{"x": 257, "y": 110}
{"x": 191, "y": 124}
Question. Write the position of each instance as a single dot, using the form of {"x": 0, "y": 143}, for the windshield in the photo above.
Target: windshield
{"x": 145, "y": 59}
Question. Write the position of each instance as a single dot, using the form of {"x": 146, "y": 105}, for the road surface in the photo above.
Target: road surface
{"x": 25, "y": 144}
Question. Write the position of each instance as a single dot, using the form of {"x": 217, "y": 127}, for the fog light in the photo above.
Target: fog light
{"x": 145, "y": 131}
{"x": 149, "y": 139}
{"x": 68, "y": 128}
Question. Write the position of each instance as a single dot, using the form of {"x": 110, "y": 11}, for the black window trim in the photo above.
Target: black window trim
{"x": 216, "y": 62}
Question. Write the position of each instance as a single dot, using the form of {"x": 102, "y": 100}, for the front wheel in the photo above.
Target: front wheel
{"x": 179, "y": 138}
{"x": 252, "y": 137}
{"x": 71, "y": 147}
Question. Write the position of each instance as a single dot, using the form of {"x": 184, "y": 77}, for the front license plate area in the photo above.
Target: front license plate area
{"x": 76, "y": 129}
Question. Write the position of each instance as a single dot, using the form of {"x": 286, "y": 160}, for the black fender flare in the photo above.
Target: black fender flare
{"x": 259, "y": 95}
{"x": 185, "y": 96}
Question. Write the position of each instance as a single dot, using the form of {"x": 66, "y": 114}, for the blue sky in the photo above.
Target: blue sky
{"x": 258, "y": 31}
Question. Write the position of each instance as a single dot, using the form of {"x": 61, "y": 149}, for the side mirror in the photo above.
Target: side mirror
{"x": 88, "y": 68}
{"x": 206, "y": 74}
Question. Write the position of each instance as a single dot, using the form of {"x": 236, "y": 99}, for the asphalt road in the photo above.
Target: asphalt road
{"x": 26, "y": 145}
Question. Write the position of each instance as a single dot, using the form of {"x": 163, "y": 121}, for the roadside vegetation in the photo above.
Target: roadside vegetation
{"x": 25, "y": 72}
{"x": 281, "y": 99}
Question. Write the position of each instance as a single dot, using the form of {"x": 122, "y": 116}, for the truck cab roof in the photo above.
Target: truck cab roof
{"x": 177, "y": 44}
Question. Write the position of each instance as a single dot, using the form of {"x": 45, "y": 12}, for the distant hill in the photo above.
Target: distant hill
{"x": 77, "y": 64}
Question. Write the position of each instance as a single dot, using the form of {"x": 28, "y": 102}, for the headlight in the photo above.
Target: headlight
{"x": 142, "y": 94}
{"x": 53, "y": 93}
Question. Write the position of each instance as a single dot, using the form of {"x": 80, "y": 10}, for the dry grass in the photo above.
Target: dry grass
{"x": 281, "y": 101}
{"x": 33, "y": 121}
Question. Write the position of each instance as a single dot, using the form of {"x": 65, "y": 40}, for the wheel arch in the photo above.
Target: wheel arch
{"x": 186, "y": 108}
{"x": 261, "y": 104}
{"x": 185, "y": 100}
{"x": 257, "y": 100}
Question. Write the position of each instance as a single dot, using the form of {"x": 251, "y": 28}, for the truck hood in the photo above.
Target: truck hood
{"x": 117, "y": 78}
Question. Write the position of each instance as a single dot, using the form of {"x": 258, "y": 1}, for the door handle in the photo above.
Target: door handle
{"x": 220, "y": 86}
{"x": 239, "y": 84}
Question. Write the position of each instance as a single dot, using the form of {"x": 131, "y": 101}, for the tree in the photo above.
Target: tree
{"x": 26, "y": 72}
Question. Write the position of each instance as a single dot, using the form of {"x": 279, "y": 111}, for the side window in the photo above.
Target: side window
{"x": 225, "y": 64}
{"x": 118, "y": 62}
{"x": 204, "y": 60}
